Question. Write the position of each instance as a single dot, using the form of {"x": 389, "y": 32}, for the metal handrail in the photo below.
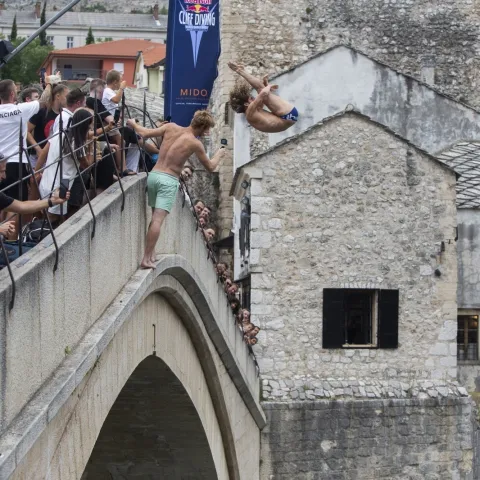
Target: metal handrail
{"x": 72, "y": 150}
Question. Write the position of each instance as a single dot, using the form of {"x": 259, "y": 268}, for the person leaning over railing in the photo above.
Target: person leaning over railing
{"x": 74, "y": 100}
{"x": 11, "y": 117}
{"x": 77, "y": 150}
{"x": 9, "y": 204}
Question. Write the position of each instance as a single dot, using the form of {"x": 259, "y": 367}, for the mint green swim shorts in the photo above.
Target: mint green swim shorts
{"x": 162, "y": 190}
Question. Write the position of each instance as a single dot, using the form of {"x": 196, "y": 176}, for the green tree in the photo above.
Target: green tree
{"x": 24, "y": 67}
{"x": 163, "y": 10}
{"x": 96, "y": 7}
{"x": 13, "y": 33}
{"x": 43, "y": 18}
{"x": 90, "y": 37}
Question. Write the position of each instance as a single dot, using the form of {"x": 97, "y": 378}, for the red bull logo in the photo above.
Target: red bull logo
{"x": 197, "y": 8}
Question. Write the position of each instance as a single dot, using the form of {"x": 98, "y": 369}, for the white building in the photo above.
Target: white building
{"x": 72, "y": 28}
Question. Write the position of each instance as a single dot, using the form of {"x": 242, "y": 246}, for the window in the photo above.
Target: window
{"x": 360, "y": 318}
{"x": 245, "y": 289}
{"x": 69, "y": 42}
{"x": 467, "y": 337}
{"x": 119, "y": 67}
{"x": 50, "y": 40}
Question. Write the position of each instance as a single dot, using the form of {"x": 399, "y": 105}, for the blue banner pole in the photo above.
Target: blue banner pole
{"x": 193, "y": 48}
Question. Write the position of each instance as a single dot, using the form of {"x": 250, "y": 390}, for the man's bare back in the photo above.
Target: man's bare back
{"x": 177, "y": 146}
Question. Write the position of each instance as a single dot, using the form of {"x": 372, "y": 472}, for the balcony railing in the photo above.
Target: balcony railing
{"x": 81, "y": 73}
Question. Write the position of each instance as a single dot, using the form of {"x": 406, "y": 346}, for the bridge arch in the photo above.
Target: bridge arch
{"x": 154, "y": 320}
{"x": 55, "y": 406}
{"x": 152, "y": 431}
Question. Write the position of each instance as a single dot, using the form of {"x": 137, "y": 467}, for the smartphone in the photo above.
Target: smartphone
{"x": 42, "y": 76}
{"x": 224, "y": 142}
{"x": 64, "y": 184}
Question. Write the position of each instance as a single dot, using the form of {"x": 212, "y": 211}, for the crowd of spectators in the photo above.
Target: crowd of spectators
{"x": 78, "y": 141}
{"x": 202, "y": 213}
{"x": 90, "y": 153}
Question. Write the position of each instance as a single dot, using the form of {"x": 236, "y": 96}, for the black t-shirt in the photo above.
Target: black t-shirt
{"x": 43, "y": 121}
{"x": 129, "y": 136}
{"x": 5, "y": 201}
{"x": 102, "y": 112}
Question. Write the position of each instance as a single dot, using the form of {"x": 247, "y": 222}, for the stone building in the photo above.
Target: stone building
{"x": 71, "y": 30}
{"x": 436, "y": 42}
{"x": 464, "y": 157}
{"x": 346, "y": 229}
{"x": 351, "y": 261}
{"x": 348, "y": 207}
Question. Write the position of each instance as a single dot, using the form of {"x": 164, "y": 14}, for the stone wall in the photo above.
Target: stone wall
{"x": 370, "y": 439}
{"x": 135, "y": 100}
{"x": 433, "y": 41}
{"x": 349, "y": 205}
{"x": 437, "y": 41}
{"x": 469, "y": 376}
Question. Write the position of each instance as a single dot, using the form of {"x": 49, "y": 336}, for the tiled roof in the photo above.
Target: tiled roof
{"x": 464, "y": 158}
{"x": 128, "y": 47}
{"x": 154, "y": 54}
{"x": 89, "y": 19}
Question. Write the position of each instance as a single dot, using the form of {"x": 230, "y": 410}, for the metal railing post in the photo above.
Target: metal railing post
{"x": 122, "y": 146}
{"x": 145, "y": 108}
{"x": 79, "y": 173}
{"x": 20, "y": 185}
{"x": 7, "y": 263}
{"x": 61, "y": 141}
{"x": 95, "y": 115}
{"x": 45, "y": 212}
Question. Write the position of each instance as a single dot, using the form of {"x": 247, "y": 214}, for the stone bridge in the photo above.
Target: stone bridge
{"x": 112, "y": 372}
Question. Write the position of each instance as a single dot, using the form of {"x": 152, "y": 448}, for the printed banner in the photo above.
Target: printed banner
{"x": 193, "y": 48}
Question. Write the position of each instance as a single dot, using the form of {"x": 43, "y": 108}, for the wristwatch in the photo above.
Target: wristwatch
{"x": 50, "y": 203}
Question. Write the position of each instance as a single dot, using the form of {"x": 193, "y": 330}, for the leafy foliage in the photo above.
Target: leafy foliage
{"x": 24, "y": 67}
{"x": 13, "y": 34}
{"x": 90, "y": 37}
{"x": 94, "y": 7}
{"x": 43, "y": 18}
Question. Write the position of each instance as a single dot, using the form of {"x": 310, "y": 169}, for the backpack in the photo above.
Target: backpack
{"x": 35, "y": 231}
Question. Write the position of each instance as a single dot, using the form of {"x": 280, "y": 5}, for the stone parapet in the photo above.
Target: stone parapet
{"x": 307, "y": 388}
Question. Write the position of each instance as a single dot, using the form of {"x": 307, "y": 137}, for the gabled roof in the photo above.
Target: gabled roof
{"x": 357, "y": 51}
{"x": 126, "y": 48}
{"x": 464, "y": 158}
{"x": 154, "y": 55}
{"x": 350, "y": 111}
{"x": 89, "y": 19}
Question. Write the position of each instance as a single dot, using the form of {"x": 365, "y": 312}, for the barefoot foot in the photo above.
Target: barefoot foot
{"x": 147, "y": 265}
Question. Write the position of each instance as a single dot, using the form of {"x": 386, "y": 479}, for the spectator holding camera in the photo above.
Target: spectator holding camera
{"x": 13, "y": 125}
{"x": 77, "y": 151}
{"x": 9, "y": 204}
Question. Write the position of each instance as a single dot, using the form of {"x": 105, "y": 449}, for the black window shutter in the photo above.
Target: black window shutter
{"x": 388, "y": 319}
{"x": 333, "y": 318}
